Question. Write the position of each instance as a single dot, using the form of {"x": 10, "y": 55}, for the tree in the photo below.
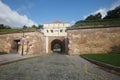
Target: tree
{"x": 97, "y": 16}
{"x": 40, "y": 26}
{"x": 7, "y": 27}
{"x": 2, "y": 26}
{"x": 112, "y": 14}
{"x": 34, "y": 26}
{"x": 24, "y": 27}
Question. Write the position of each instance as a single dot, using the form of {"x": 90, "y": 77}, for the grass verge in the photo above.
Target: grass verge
{"x": 1, "y": 53}
{"x": 7, "y": 31}
{"x": 112, "y": 59}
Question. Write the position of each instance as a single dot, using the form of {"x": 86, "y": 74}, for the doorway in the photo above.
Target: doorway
{"x": 15, "y": 46}
{"x": 57, "y": 46}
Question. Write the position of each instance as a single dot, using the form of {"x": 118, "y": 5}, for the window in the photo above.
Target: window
{"x": 61, "y": 30}
{"x": 47, "y": 31}
{"x": 51, "y": 31}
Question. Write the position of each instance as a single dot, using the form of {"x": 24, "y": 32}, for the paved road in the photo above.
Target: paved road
{"x": 54, "y": 67}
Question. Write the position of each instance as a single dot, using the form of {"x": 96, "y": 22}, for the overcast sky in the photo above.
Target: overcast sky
{"x": 17, "y": 13}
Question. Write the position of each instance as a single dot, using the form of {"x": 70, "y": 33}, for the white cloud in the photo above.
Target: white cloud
{"x": 114, "y": 5}
{"x": 72, "y": 22}
{"x": 103, "y": 11}
{"x": 13, "y": 18}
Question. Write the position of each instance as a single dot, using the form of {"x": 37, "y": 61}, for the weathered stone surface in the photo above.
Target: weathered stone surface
{"x": 98, "y": 40}
{"x": 33, "y": 43}
{"x": 82, "y": 41}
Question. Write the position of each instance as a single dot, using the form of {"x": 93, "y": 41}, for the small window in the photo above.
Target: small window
{"x": 51, "y": 31}
{"x": 61, "y": 30}
{"x": 47, "y": 30}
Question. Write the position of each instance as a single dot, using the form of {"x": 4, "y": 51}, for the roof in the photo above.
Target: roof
{"x": 56, "y": 22}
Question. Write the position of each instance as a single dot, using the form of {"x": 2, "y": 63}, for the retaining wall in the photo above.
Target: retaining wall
{"x": 94, "y": 40}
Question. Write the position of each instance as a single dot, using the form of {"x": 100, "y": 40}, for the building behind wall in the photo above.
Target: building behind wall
{"x": 56, "y": 28}
{"x": 55, "y": 31}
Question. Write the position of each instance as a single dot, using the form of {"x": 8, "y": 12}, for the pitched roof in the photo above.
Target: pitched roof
{"x": 56, "y": 22}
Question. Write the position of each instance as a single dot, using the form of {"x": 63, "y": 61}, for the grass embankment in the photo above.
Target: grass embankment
{"x": 113, "y": 59}
{"x": 4, "y": 31}
{"x": 107, "y": 22}
{"x": 1, "y": 53}
{"x": 10, "y": 30}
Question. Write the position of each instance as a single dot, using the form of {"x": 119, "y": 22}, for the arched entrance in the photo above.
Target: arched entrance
{"x": 57, "y": 46}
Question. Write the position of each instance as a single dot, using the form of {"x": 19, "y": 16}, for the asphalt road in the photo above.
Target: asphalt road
{"x": 54, "y": 67}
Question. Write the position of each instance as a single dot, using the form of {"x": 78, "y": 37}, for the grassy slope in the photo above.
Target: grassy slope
{"x": 99, "y": 22}
{"x": 2, "y": 31}
{"x": 113, "y": 59}
{"x": 10, "y": 30}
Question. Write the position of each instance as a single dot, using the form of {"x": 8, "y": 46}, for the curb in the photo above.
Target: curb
{"x": 108, "y": 66}
{"x": 19, "y": 59}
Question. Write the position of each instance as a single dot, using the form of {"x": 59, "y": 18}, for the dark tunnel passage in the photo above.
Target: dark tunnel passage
{"x": 58, "y": 46}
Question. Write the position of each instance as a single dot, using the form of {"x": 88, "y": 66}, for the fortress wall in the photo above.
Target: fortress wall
{"x": 33, "y": 43}
{"x": 95, "y": 40}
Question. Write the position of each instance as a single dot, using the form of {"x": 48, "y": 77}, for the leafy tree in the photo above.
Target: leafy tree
{"x": 40, "y": 26}
{"x": 2, "y": 26}
{"x": 97, "y": 16}
{"x": 24, "y": 27}
{"x": 7, "y": 27}
{"x": 112, "y": 14}
{"x": 112, "y": 18}
{"x": 34, "y": 26}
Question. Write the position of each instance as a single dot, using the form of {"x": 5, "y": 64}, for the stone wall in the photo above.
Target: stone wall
{"x": 94, "y": 40}
{"x": 33, "y": 43}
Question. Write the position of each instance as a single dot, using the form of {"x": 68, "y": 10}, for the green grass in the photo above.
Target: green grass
{"x": 10, "y": 30}
{"x": 1, "y": 53}
{"x": 99, "y": 22}
{"x": 113, "y": 59}
{"x": 4, "y": 31}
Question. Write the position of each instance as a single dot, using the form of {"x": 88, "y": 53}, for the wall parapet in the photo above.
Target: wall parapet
{"x": 95, "y": 40}
{"x": 92, "y": 27}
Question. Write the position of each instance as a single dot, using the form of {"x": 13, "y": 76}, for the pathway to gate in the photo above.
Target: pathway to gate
{"x": 54, "y": 67}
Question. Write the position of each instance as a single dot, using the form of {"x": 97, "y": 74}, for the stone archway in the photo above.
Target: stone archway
{"x": 57, "y": 46}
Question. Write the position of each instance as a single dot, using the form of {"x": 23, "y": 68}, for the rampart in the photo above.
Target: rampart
{"x": 33, "y": 43}
{"x": 94, "y": 40}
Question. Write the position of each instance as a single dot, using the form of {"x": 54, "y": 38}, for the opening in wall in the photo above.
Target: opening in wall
{"x": 14, "y": 46}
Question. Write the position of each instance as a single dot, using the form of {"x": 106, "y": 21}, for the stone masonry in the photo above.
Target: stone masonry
{"x": 82, "y": 41}
{"x": 11, "y": 43}
{"x": 94, "y": 40}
